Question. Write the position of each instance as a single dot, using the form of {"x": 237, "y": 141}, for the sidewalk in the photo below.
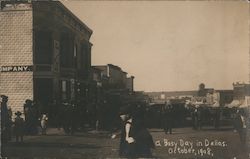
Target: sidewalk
{"x": 56, "y": 131}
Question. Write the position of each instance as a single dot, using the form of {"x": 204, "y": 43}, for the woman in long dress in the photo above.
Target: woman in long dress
{"x": 136, "y": 140}
{"x": 127, "y": 141}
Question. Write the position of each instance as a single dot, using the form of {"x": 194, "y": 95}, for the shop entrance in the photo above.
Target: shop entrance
{"x": 43, "y": 93}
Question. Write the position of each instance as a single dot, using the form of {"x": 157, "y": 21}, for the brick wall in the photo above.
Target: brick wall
{"x": 16, "y": 50}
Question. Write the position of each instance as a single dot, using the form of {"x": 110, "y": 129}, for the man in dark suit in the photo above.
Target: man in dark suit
{"x": 5, "y": 120}
{"x": 168, "y": 118}
{"x": 241, "y": 125}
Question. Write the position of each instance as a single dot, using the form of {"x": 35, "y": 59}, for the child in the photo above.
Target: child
{"x": 44, "y": 121}
{"x": 19, "y": 126}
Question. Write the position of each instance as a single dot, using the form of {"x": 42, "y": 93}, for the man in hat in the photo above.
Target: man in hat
{"x": 168, "y": 117}
{"x": 4, "y": 108}
{"x": 19, "y": 126}
{"x": 241, "y": 125}
{"x": 5, "y": 119}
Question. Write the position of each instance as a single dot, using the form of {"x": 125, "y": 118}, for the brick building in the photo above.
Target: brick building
{"x": 45, "y": 53}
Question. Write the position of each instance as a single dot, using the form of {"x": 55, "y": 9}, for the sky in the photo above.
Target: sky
{"x": 170, "y": 45}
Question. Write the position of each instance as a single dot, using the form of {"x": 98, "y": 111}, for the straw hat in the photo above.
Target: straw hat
{"x": 4, "y": 96}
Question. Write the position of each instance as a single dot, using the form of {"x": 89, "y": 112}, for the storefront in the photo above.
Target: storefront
{"x": 45, "y": 54}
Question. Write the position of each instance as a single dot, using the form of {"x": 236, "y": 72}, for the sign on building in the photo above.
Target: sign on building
{"x": 16, "y": 68}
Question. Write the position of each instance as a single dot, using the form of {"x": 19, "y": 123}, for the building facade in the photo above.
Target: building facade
{"x": 219, "y": 98}
{"x": 241, "y": 94}
{"x": 162, "y": 97}
{"x": 116, "y": 77}
{"x": 45, "y": 53}
{"x": 130, "y": 83}
{"x": 240, "y": 90}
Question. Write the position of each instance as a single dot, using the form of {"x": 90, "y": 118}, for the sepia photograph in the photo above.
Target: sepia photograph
{"x": 125, "y": 79}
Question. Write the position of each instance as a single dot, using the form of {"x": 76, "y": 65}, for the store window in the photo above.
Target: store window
{"x": 64, "y": 90}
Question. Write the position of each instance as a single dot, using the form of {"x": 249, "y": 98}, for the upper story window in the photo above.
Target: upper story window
{"x": 84, "y": 57}
{"x": 75, "y": 50}
{"x": 43, "y": 47}
{"x": 66, "y": 51}
{"x": 75, "y": 54}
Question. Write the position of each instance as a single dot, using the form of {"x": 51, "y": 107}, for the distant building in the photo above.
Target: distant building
{"x": 241, "y": 95}
{"x": 162, "y": 97}
{"x": 130, "y": 83}
{"x": 117, "y": 78}
{"x": 225, "y": 96}
{"x": 45, "y": 52}
{"x": 96, "y": 75}
{"x": 219, "y": 98}
{"x": 240, "y": 90}
{"x": 213, "y": 97}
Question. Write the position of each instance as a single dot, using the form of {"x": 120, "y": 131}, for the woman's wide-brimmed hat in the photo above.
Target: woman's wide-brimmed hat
{"x": 18, "y": 113}
{"x": 128, "y": 109}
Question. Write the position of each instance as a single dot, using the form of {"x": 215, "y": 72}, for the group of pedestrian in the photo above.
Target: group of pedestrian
{"x": 18, "y": 125}
{"x": 69, "y": 117}
{"x": 7, "y": 123}
{"x": 75, "y": 116}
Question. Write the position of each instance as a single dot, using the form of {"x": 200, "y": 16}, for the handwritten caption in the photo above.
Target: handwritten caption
{"x": 197, "y": 148}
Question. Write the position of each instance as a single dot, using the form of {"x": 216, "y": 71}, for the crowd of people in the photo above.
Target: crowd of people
{"x": 201, "y": 115}
{"x": 71, "y": 116}
{"x": 135, "y": 138}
